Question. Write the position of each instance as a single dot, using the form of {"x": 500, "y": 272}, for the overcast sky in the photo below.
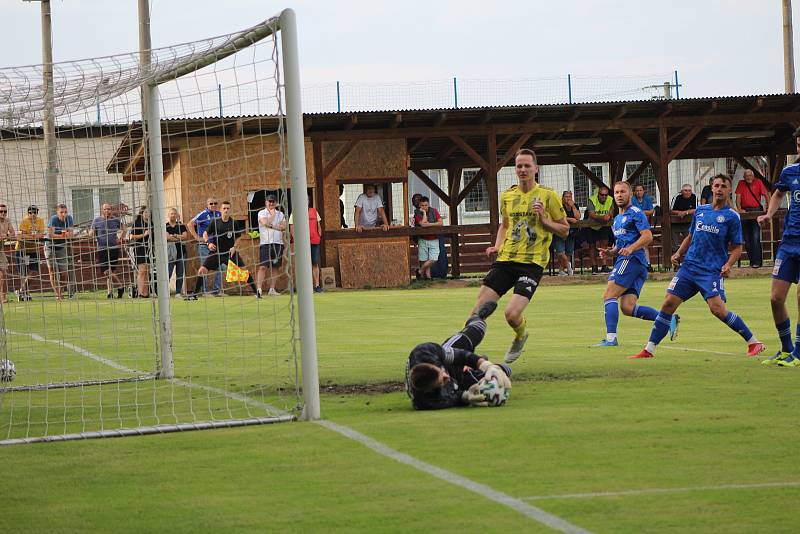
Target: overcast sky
{"x": 719, "y": 47}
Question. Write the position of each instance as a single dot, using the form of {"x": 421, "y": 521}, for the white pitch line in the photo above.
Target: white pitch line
{"x": 650, "y": 491}
{"x": 177, "y": 381}
{"x": 483, "y": 490}
{"x": 667, "y": 347}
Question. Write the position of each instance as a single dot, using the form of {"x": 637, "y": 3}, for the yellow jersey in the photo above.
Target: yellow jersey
{"x": 527, "y": 241}
{"x": 29, "y": 226}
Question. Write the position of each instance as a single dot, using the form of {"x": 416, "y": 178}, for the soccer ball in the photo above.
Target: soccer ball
{"x": 494, "y": 393}
{"x": 7, "y": 371}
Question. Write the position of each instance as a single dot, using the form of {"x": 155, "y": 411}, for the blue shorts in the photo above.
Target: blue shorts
{"x": 629, "y": 273}
{"x": 686, "y": 284}
{"x": 787, "y": 264}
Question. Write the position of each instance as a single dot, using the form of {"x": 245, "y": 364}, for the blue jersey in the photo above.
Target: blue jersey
{"x": 203, "y": 219}
{"x": 627, "y": 228}
{"x": 790, "y": 181}
{"x": 645, "y": 204}
{"x": 712, "y": 232}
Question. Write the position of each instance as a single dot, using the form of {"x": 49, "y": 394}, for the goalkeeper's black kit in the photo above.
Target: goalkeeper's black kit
{"x": 453, "y": 355}
{"x": 223, "y": 234}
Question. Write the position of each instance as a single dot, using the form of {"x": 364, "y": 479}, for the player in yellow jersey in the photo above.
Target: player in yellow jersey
{"x": 530, "y": 214}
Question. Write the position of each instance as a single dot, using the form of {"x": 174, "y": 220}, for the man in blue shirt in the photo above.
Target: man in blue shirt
{"x": 714, "y": 244}
{"x": 196, "y": 227}
{"x": 787, "y": 261}
{"x": 642, "y": 200}
{"x": 57, "y": 251}
{"x": 106, "y": 228}
{"x": 632, "y": 235}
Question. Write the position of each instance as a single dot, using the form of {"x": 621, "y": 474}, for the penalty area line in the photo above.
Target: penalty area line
{"x": 650, "y": 491}
{"x": 528, "y": 510}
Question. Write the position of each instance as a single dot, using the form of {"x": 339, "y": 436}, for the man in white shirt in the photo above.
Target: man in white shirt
{"x": 369, "y": 209}
{"x": 271, "y": 224}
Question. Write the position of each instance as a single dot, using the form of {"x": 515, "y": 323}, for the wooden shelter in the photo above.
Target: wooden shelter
{"x": 382, "y": 147}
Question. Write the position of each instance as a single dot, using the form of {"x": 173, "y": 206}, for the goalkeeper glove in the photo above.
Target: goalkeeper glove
{"x": 493, "y": 371}
{"x": 474, "y": 397}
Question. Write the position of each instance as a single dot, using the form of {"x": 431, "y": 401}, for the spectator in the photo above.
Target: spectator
{"x": 342, "y": 222}
{"x": 599, "y": 212}
{"x": 271, "y": 224}
{"x": 141, "y": 236}
{"x": 428, "y": 244}
{"x": 221, "y": 235}
{"x": 315, "y": 231}
{"x": 196, "y": 227}
{"x": 106, "y": 229}
{"x": 706, "y": 195}
{"x": 177, "y": 233}
{"x": 749, "y": 193}
{"x": 643, "y": 201}
{"x": 57, "y": 251}
{"x": 368, "y": 209}
{"x": 31, "y": 230}
{"x": 6, "y": 234}
{"x": 683, "y": 206}
{"x": 564, "y": 247}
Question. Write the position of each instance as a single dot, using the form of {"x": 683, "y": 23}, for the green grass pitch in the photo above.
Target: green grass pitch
{"x": 701, "y": 438}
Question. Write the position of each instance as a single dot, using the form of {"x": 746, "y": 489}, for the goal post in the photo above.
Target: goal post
{"x": 158, "y": 132}
{"x": 297, "y": 169}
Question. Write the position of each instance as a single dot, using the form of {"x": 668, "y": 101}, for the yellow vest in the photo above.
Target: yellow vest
{"x": 600, "y": 209}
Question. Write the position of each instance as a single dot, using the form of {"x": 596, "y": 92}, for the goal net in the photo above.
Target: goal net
{"x": 81, "y": 321}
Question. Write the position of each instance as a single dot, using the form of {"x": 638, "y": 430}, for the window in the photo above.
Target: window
{"x": 86, "y": 202}
{"x": 647, "y": 179}
{"x": 82, "y": 205}
{"x": 582, "y": 185}
{"x": 478, "y": 197}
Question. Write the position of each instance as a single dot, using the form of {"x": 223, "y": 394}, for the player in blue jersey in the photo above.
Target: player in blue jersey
{"x": 787, "y": 262}
{"x": 632, "y": 235}
{"x": 714, "y": 244}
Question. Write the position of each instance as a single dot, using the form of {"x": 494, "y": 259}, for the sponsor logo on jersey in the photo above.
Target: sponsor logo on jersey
{"x": 720, "y": 219}
{"x": 710, "y": 228}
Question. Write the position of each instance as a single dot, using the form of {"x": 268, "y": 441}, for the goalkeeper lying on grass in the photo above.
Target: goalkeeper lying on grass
{"x": 451, "y": 374}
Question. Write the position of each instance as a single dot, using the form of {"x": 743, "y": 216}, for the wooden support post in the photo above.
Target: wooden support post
{"x": 491, "y": 183}
{"x": 663, "y": 192}
{"x": 596, "y": 180}
{"x": 319, "y": 190}
{"x": 634, "y": 176}
{"x": 431, "y": 184}
{"x": 454, "y": 177}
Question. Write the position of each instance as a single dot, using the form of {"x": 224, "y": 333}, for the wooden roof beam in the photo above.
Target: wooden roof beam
{"x": 440, "y": 120}
{"x": 667, "y": 110}
{"x": 307, "y": 122}
{"x": 396, "y": 121}
{"x": 505, "y": 158}
{"x": 469, "y": 151}
{"x": 675, "y": 152}
{"x": 639, "y": 142}
{"x": 352, "y": 120}
{"x": 747, "y": 165}
{"x": 470, "y": 185}
{"x": 486, "y": 118}
{"x": 416, "y": 145}
{"x": 431, "y": 184}
{"x": 589, "y": 174}
{"x": 634, "y": 176}
{"x": 339, "y": 157}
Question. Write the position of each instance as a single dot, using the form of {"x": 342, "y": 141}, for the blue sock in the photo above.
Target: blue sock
{"x": 660, "y": 327}
{"x": 736, "y": 324}
{"x": 797, "y": 341}
{"x": 785, "y": 334}
{"x": 645, "y": 312}
{"x": 612, "y": 315}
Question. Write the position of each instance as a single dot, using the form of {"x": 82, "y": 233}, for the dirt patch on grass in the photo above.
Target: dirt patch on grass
{"x": 362, "y": 389}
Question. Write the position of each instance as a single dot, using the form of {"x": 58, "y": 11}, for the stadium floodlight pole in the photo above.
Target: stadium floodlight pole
{"x": 49, "y": 122}
{"x": 151, "y": 120}
{"x": 788, "y": 47}
{"x": 302, "y": 239}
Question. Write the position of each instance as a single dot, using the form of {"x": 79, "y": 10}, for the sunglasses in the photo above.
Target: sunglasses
{"x": 213, "y": 203}
{"x": 3, "y": 211}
